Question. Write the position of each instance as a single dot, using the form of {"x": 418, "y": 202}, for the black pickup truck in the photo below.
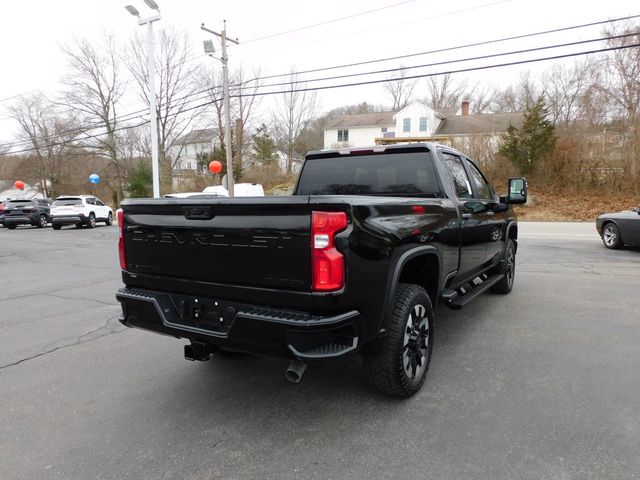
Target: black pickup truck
{"x": 356, "y": 260}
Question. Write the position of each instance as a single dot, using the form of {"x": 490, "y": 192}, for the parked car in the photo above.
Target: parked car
{"x": 356, "y": 260}
{"x": 620, "y": 228}
{"x": 2, "y": 213}
{"x": 80, "y": 210}
{"x": 27, "y": 212}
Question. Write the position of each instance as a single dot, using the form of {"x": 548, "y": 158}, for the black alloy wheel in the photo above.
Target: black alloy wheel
{"x": 508, "y": 268}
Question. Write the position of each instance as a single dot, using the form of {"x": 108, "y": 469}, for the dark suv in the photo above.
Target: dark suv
{"x": 27, "y": 212}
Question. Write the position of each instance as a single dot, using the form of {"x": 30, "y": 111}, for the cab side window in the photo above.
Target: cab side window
{"x": 458, "y": 175}
{"x": 483, "y": 191}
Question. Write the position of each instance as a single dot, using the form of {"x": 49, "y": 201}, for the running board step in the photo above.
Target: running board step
{"x": 461, "y": 299}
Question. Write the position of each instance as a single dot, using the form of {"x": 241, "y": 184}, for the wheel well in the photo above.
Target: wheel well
{"x": 423, "y": 270}
{"x": 513, "y": 232}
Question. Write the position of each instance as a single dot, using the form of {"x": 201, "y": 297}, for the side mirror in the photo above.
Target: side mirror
{"x": 517, "y": 191}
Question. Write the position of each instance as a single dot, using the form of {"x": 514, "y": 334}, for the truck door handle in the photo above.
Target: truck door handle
{"x": 198, "y": 213}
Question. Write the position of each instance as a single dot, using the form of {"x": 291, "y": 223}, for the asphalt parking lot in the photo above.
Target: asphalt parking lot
{"x": 541, "y": 384}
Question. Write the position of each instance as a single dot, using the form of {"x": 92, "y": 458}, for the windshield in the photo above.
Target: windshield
{"x": 67, "y": 201}
{"x": 393, "y": 174}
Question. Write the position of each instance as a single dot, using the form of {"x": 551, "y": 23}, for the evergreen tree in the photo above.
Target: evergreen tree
{"x": 140, "y": 182}
{"x": 264, "y": 146}
{"x": 533, "y": 142}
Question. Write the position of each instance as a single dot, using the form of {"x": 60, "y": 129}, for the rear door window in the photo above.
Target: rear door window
{"x": 458, "y": 175}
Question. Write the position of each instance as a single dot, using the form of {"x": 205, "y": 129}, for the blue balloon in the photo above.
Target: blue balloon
{"x": 94, "y": 178}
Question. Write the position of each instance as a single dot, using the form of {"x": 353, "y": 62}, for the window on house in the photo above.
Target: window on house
{"x": 384, "y": 129}
{"x": 423, "y": 124}
{"x": 343, "y": 135}
{"x": 406, "y": 124}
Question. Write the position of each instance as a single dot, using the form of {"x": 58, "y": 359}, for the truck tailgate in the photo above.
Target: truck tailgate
{"x": 254, "y": 242}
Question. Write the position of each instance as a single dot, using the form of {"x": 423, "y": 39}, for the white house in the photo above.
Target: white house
{"x": 186, "y": 148}
{"x": 419, "y": 122}
{"x": 358, "y": 129}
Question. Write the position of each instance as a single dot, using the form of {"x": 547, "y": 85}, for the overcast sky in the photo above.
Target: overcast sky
{"x": 31, "y": 33}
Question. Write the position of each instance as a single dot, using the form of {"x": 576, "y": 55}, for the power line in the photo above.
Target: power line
{"x": 447, "y": 49}
{"x": 448, "y": 62}
{"x": 371, "y": 82}
{"x": 209, "y": 91}
{"x": 386, "y": 26}
{"x": 327, "y": 22}
{"x": 450, "y": 72}
{"x": 457, "y": 47}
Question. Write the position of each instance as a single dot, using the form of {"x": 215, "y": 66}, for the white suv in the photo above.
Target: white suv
{"x": 79, "y": 210}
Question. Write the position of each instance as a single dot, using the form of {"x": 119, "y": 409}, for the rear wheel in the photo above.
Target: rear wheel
{"x": 92, "y": 221}
{"x": 42, "y": 221}
{"x": 399, "y": 367}
{"x": 56, "y": 226}
{"x": 507, "y": 268}
{"x": 611, "y": 236}
{"x": 11, "y": 227}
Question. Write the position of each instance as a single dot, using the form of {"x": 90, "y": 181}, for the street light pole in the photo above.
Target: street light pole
{"x": 227, "y": 106}
{"x": 155, "y": 164}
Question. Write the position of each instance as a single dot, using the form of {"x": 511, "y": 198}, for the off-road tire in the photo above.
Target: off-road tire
{"x": 386, "y": 366}
{"x": 508, "y": 268}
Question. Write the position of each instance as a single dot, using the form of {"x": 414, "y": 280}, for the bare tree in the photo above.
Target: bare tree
{"x": 50, "y": 136}
{"x": 519, "y": 98}
{"x": 622, "y": 70}
{"x": 481, "y": 99}
{"x": 243, "y": 102}
{"x": 94, "y": 89}
{"x": 564, "y": 87}
{"x": 400, "y": 88}
{"x": 444, "y": 92}
{"x": 294, "y": 109}
{"x": 177, "y": 100}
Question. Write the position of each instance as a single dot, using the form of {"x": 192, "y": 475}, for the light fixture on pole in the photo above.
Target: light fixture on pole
{"x": 155, "y": 167}
{"x": 208, "y": 49}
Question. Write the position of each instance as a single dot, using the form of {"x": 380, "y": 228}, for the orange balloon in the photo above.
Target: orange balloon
{"x": 215, "y": 166}
{"x": 19, "y": 184}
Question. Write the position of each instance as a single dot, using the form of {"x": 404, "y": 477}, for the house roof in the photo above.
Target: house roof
{"x": 447, "y": 112}
{"x": 205, "y": 135}
{"x": 483, "y": 123}
{"x": 363, "y": 120}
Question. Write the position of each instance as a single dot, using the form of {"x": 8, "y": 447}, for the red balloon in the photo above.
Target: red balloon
{"x": 215, "y": 167}
{"x": 19, "y": 184}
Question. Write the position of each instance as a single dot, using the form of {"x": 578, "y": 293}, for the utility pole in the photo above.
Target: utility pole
{"x": 227, "y": 107}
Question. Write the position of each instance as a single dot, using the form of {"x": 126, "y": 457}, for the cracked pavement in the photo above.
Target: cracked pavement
{"x": 540, "y": 384}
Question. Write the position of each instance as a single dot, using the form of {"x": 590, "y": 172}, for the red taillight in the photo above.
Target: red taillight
{"x": 327, "y": 263}
{"x": 123, "y": 258}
